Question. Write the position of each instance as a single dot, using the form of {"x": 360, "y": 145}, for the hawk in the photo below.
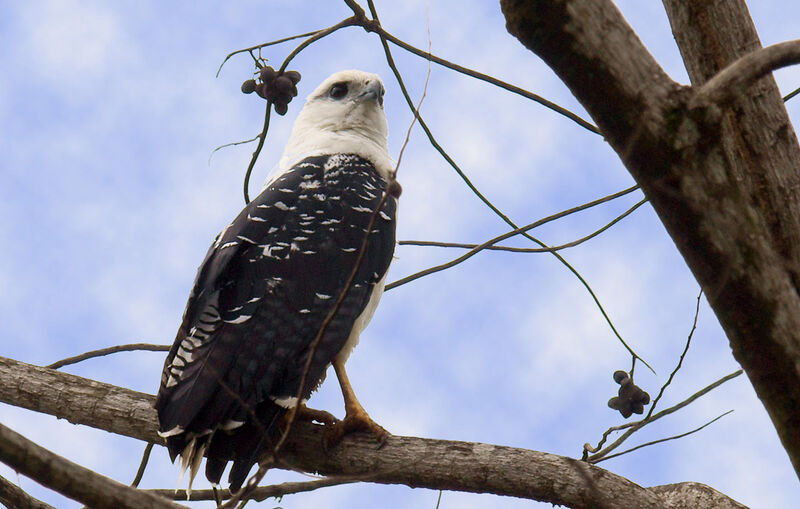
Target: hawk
{"x": 271, "y": 278}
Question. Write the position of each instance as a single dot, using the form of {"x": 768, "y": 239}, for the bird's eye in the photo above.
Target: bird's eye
{"x": 338, "y": 90}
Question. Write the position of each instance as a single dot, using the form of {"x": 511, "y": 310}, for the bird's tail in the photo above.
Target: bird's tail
{"x": 243, "y": 445}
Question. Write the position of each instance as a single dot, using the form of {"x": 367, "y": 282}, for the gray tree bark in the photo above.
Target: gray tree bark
{"x": 415, "y": 462}
{"x": 721, "y": 174}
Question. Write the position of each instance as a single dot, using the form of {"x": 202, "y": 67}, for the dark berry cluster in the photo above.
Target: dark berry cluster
{"x": 274, "y": 87}
{"x": 631, "y": 399}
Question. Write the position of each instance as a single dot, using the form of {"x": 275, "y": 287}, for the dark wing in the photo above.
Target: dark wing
{"x": 259, "y": 300}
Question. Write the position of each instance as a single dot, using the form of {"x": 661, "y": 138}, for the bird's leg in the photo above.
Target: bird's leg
{"x": 356, "y": 418}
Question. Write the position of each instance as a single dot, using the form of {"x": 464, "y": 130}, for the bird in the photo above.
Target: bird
{"x": 321, "y": 234}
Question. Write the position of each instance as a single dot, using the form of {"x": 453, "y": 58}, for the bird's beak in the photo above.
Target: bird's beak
{"x": 373, "y": 91}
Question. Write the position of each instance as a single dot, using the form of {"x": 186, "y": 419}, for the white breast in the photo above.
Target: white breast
{"x": 362, "y": 321}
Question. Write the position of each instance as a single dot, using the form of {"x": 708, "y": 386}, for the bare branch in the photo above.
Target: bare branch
{"x": 264, "y": 45}
{"x": 79, "y": 400}
{"x": 258, "y": 494}
{"x": 12, "y": 495}
{"x": 680, "y": 359}
{"x": 516, "y": 231}
{"x": 232, "y": 144}
{"x": 491, "y": 80}
{"x": 522, "y": 230}
{"x": 142, "y": 465}
{"x": 70, "y": 479}
{"x": 527, "y": 249}
{"x": 635, "y": 426}
{"x": 674, "y": 437}
{"x": 417, "y": 462}
{"x": 314, "y": 38}
{"x": 489, "y": 204}
{"x": 253, "y": 158}
{"x": 375, "y": 26}
{"x": 738, "y": 76}
{"x": 107, "y": 351}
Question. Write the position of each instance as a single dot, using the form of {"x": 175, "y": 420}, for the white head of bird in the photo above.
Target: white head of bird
{"x": 344, "y": 115}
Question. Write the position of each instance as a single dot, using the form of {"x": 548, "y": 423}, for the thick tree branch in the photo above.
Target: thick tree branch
{"x": 691, "y": 495}
{"x": 734, "y": 80}
{"x": 72, "y": 480}
{"x": 78, "y": 400}
{"x": 724, "y": 183}
{"x": 12, "y": 495}
{"x": 416, "y": 462}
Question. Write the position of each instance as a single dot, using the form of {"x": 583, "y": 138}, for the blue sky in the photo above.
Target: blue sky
{"x": 108, "y": 203}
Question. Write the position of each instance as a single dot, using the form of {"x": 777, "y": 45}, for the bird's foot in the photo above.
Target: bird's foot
{"x": 355, "y": 420}
{"x": 310, "y": 415}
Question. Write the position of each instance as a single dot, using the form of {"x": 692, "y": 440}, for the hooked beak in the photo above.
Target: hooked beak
{"x": 373, "y": 91}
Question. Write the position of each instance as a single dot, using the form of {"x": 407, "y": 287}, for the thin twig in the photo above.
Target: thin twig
{"x": 314, "y": 38}
{"x": 674, "y": 437}
{"x": 522, "y": 230}
{"x": 680, "y": 359}
{"x": 639, "y": 424}
{"x": 260, "y": 493}
{"x": 142, "y": 465}
{"x": 491, "y": 80}
{"x": 419, "y": 103}
{"x": 516, "y": 231}
{"x": 635, "y": 426}
{"x": 106, "y": 351}
{"x": 261, "y": 137}
{"x": 232, "y": 144}
{"x": 525, "y": 249}
{"x": 375, "y": 26}
{"x": 260, "y": 46}
{"x": 463, "y": 245}
{"x": 791, "y": 94}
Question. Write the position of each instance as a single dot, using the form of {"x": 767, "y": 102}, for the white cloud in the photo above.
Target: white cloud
{"x": 73, "y": 40}
{"x": 110, "y": 206}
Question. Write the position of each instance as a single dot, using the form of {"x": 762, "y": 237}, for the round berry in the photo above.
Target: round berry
{"x": 293, "y": 75}
{"x": 249, "y": 86}
{"x": 267, "y": 74}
